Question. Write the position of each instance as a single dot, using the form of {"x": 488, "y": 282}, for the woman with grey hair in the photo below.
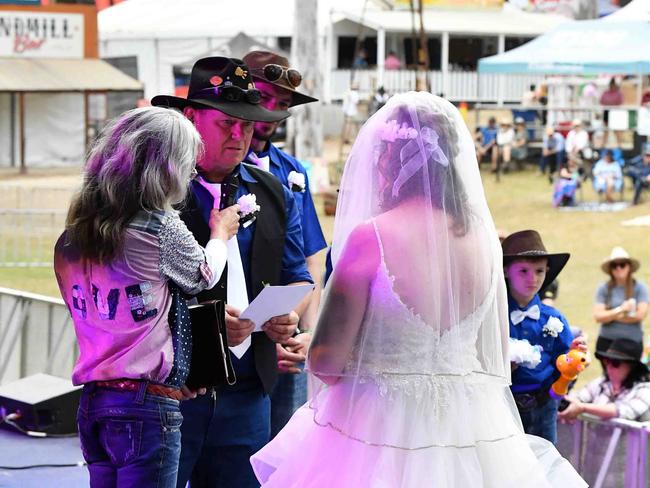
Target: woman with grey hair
{"x": 121, "y": 264}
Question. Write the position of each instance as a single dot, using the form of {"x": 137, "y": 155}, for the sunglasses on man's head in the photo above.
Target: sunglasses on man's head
{"x": 273, "y": 72}
{"x": 619, "y": 264}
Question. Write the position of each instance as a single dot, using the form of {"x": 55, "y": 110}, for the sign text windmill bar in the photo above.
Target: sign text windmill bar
{"x": 28, "y": 34}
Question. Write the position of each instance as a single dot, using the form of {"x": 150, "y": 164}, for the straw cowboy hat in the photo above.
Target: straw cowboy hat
{"x": 223, "y": 84}
{"x": 528, "y": 244}
{"x": 619, "y": 254}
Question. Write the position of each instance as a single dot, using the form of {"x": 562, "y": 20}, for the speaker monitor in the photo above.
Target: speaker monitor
{"x": 44, "y": 403}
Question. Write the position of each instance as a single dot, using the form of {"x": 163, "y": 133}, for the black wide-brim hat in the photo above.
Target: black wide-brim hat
{"x": 623, "y": 349}
{"x": 528, "y": 244}
{"x": 223, "y": 84}
{"x": 257, "y": 60}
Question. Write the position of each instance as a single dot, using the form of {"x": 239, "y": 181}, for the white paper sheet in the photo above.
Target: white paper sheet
{"x": 274, "y": 301}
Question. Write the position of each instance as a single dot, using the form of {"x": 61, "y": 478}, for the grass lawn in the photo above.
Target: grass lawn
{"x": 519, "y": 201}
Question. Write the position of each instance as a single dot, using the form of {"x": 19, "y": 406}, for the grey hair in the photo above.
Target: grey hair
{"x": 143, "y": 160}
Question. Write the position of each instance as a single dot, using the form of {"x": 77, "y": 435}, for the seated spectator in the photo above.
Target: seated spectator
{"x": 392, "y": 61}
{"x": 608, "y": 176}
{"x": 622, "y": 392}
{"x": 577, "y": 142}
{"x": 488, "y": 144}
{"x": 505, "y": 140}
{"x": 520, "y": 144}
{"x": 639, "y": 171}
{"x": 564, "y": 193}
{"x": 552, "y": 152}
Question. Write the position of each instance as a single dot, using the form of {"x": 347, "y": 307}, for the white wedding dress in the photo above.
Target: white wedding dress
{"x": 462, "y": 428}
{"x": 414, "y": 401}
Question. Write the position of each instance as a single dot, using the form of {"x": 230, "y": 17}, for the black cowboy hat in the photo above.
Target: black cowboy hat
{"x": 224, "y": 84}
{"x": 528, "y": 244}
{"x": 273, "y": 68}
{"x": 624, "y": 350}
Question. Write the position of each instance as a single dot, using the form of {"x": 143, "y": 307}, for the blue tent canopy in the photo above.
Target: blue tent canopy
{"x": 582, "y": 47}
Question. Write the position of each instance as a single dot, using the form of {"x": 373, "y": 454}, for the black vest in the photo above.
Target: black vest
{"x": 266, "y": 256}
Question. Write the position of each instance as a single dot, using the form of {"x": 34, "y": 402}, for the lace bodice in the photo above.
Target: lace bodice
{"x": 397, "y": 342}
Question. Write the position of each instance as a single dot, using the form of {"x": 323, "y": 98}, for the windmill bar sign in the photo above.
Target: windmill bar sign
{"x": 26, "y": 34}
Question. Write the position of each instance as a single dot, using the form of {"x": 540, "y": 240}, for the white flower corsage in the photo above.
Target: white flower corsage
{"x": 524, "y": 353}
{"x": 296, "y": 181}
{"x": 553, "y": 327}
{"x": 248, "y": 209}
{"x": 391, "y": 131}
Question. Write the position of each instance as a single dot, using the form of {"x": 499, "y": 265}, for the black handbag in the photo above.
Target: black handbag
{"x": 210, "y": 365}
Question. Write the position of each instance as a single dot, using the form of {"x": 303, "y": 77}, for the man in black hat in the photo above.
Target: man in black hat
{"x": 529, "y": 269}
{"x": 277, "y": 82}
{"x": 222, "y": 430}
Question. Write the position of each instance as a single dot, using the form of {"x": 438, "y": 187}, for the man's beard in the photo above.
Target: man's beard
{"x": 263, "y": 136}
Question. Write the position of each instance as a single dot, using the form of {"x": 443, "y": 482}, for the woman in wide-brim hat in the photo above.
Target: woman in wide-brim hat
{"x": 622, "y": 392}
{"x": 621, "y": 302}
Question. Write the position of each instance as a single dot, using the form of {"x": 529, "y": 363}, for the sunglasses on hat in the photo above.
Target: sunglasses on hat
{"x": 233, "y": 93}
{"x": 273, "y": 72}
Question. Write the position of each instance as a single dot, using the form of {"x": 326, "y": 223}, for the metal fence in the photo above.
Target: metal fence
{"x": 607, "y": 454}
{"x": 36, "y": 336}
{"x": 31, "y": 219}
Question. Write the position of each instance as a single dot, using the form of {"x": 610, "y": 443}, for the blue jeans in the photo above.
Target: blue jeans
{"x": 129, "y": 438}
{"x": 220, "y": 433}
{"x": 541, "y": 421}
{"x": 289, "y": 394}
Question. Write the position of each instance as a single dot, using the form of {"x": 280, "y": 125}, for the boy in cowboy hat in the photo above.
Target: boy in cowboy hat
{"x": 529, "y": 269}
{"x": 277, "y": 82}
{"x": 222, "y": 430}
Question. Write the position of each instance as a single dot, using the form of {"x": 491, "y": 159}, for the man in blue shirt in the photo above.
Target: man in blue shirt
{"x": 489, "y": 144}
{"x": 639, "y": 171}
{"x": 222, "y": 430}
{"x": 277, "y": 82}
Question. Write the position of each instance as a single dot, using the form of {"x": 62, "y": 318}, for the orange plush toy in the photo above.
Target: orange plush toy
{"x": 570, "y": 365}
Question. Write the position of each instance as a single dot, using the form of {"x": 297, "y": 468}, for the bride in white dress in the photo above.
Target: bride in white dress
{"x": 410, "y": 348}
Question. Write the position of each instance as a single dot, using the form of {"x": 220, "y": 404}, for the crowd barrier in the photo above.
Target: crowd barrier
{"x": 36, "y": 336}
{"x": 607, "y": 454}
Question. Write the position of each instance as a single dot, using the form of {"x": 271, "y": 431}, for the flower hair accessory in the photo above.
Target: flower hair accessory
{"x": 248, "y": 209}
{"x": 415, "y": 154}
{"x": 553, "y": 327}
{"x": 297, "y": 182}
{"x": 391, "y": 131}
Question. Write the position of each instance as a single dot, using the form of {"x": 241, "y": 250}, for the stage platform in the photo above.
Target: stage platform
{"x": 18, "y": 450}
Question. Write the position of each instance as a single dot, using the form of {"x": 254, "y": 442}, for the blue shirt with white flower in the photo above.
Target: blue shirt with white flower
{"x": 281, "y": 165}
{"x": 541, "y": 377}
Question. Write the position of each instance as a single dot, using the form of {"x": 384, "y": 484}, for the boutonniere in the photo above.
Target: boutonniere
{"x": 248, "y": 209}
{"x": 296, "y": 181}
{"x": 553, "y": 327}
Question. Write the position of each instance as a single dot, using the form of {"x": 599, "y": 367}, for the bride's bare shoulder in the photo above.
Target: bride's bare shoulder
{"x": 361, "y": 251}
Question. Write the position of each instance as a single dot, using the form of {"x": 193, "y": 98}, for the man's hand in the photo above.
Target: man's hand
{"x": 191, "y": 394}
{"x": 290, "y": 356}
{"x": 224, "y": 224}
{"x": 281, "y": 328}
{"x": 579, "y": 343}
{"x": 237, "y": 329}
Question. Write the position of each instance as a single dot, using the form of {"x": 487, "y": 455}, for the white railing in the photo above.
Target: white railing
{"x": 459, "y": 86}
{"x": 36, "y": 336}
{"x": 607, "y": 454}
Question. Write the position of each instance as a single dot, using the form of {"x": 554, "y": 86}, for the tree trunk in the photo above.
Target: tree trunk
{"x": 305, "y": 129}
